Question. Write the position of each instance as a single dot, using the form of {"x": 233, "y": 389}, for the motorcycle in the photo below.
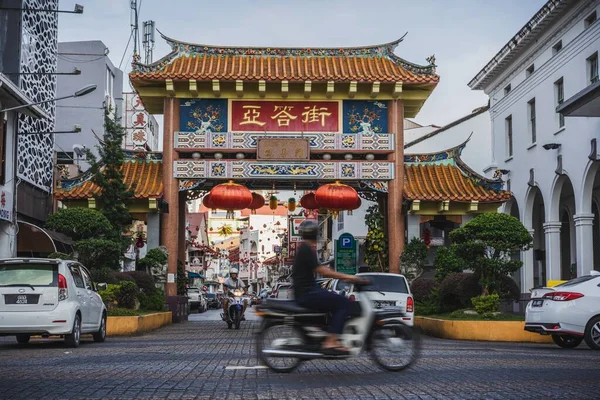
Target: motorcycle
{"x": 235, "y": 308}
{"x": 291, "y": 334}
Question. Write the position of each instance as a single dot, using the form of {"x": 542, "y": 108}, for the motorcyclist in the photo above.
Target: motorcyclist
{"x": 232, "y": 283}
{"x": 308, "y": 294}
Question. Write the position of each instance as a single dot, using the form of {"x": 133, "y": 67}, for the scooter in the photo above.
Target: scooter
{"x": 235, "y": 309}
{"x": 291, "y": 334}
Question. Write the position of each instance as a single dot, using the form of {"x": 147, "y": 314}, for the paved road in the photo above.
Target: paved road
{"x": 189, "y": 360}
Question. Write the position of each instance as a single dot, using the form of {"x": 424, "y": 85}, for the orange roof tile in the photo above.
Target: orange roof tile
{"x": 147, "y": 177}
{"x": 363, "y": 64}
{"x": 443, "y": 183}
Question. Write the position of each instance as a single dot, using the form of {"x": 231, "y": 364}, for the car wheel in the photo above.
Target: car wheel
{"x": 567, "y": 341}
{"x": 100, "y": 336}
{"x": 72, "y": 339}
{"x": 592, "y": 333}
{"x": 23, "y": 339}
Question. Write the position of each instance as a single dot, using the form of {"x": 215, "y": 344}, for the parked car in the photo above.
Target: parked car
{"x": 392, "y": 290}
{"x": 570, "y": 312}
{"x": 285, "y": 291}
{"x": 213, "y": 301}
{"x": 338, "y": 286}
{"x": 196, "y": 299}
{"x": 48, "y": 297}
{"x": 274, "y": 293}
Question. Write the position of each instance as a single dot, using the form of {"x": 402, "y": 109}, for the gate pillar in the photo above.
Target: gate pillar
{"x": 395, "y": 220}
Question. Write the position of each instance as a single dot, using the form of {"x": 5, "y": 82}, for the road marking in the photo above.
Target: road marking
{"x": 234, "y": 367}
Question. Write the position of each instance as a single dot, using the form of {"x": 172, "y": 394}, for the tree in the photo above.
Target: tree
{"x": 413, "y": 258}
{"x": 99, "y": 253}
{"x": 447, "y": 262}
{"x": 80, "y": 223}
{"x": 487, "y": 243}
{"x": 376, "y": 243}
{"x": 108, "y": 175}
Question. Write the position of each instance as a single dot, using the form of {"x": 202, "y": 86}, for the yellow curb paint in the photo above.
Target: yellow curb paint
{"x": 120, "y": 326}
{"x": 492, "y": 331}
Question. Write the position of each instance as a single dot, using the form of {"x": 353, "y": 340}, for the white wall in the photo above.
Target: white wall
{"x": 569, "y": 64}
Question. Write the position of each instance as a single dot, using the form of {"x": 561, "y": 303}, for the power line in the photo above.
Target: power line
{"x": 125, "y": 52}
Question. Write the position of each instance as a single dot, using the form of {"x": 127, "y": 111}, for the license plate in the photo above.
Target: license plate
{"x": 537, "y": 303}
{"x": 381, "y": 304}
{"x": 21, "y": 298}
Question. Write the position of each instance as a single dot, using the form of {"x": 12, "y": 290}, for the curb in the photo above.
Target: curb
{"x": 488, "y": 331}
{"x": 123, "y": 326}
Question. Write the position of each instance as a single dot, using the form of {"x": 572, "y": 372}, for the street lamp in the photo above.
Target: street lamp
{"x": 81, "y": 92}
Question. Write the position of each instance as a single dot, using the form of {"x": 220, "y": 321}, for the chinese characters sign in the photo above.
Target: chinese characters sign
{"x": 283, "y": 149}
{"x": 285, "y": 116}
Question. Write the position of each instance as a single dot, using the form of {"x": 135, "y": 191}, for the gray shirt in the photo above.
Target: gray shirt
{"x": 230, "y": 282}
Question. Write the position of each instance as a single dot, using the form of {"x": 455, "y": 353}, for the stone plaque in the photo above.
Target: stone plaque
{"x": 283, "y": 149}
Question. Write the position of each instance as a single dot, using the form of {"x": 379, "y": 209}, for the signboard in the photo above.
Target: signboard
{"x": 284, "y": 116}
{"x": 283, "y": 149}
{"x": 6, "y": 205}
{"x": 346, "y": 254}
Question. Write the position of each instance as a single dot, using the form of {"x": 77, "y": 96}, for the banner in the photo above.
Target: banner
{"x": 284, "y": 116}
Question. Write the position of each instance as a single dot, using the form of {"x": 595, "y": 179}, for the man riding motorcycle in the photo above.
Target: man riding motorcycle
{"x": 232, "y": 283}
{"x": 308, "y": 294}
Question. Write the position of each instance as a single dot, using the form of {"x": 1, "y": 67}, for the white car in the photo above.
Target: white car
{"x": 570, "y": 312}
{"x": 388, "y": 291}
{"x": 285, "y": 291}
{"x": 338, "y": 286}
{"x": 47, "y": 297}
{"x": 197, "y": 299}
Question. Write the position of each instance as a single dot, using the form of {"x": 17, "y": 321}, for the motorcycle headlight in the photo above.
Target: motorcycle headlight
{"x": 238, "y": 293}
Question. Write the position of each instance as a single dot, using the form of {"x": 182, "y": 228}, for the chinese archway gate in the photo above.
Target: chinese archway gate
{"x": 295, "y": 117}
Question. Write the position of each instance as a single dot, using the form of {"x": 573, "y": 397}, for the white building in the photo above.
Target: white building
{"x": 549, "y": 161}
{"x": 10, "y": 96}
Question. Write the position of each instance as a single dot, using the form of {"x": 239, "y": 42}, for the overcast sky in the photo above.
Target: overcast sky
{"x": 463, "y": 34}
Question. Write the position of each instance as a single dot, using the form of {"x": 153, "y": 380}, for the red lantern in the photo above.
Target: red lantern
{"x": 230, "y": 196}
{"x": 336, "y": 197}
{"x": 257, "y": 202}
{"x": 207, "y": 202}
{"x": 427, "y": 237}
{"x": 140, "y": 242}
{"x": 309, "y": 202}
{"x": 358, "y": 204}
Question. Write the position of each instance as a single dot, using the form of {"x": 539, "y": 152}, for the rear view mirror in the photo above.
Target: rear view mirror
{"x": 101, "y": 286}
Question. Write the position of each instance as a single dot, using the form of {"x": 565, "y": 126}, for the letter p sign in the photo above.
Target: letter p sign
{"x": 347, "y": 242}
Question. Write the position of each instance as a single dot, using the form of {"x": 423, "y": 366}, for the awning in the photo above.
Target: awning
{"x": 194, "y": 275}
{"x": 33, "y": 241}
{"x": 586, "y": 103}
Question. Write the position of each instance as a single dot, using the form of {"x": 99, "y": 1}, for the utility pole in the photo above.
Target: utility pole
{"x": 134, "y": 25}
{"x": 148, "y": 41}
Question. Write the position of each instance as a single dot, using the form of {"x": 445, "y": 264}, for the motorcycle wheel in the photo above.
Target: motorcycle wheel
{"x": 395, "y": 346}
{"x": 271, "y": 333}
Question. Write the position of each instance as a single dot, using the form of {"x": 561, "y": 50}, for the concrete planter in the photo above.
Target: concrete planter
{"x": 491, "y": 331}
{"x": 121, "y": 326}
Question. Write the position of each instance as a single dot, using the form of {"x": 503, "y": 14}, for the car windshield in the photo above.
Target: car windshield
{"x": 194, "y": 290}
{"x": 341, "y": 285}
{"x": 579, "y": 280}
{"x": 29, "y": 274}
{"x": 385, "y": 283}
{"x": 211, "y": 295}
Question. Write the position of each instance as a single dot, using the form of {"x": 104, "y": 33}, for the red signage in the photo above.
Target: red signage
{"x": 284, "y": 116}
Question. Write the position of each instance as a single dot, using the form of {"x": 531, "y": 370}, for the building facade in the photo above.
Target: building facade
{"x": 141, "y": 128}
{"x": 84, "y": 116}
{"x": 548, "y": 160}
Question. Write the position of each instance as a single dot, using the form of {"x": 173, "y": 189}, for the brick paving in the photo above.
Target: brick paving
{"x": 187, "y": 361}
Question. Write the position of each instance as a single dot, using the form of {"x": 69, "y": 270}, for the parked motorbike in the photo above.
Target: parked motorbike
{"x": 291, "y": 334}
{"x": 235, "y": 308}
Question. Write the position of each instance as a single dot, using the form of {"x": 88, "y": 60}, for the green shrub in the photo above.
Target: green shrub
{"x": 122, "y": 312}
{"x": 109, "y": 296}
{"x": 422, "y": 288}
{"x": 80, "y": 223}
{"x": 62, "y": 256}
{"x": 486, "y": 304}
{"x": 457, "y": 289}
{"x": 447, "y": 262}
{"x": 121, "y": 277}
{"x": 103, "y": 275}
{"x": 99, "y": 253}
{"x": 507, "y": 289}
{"x": 144, "y": 281}
{"x": 155, "y": 301}
{"x": 127, "y": 294}
{"x": 413, "y": 258}
{"x": 430, "y": 305}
